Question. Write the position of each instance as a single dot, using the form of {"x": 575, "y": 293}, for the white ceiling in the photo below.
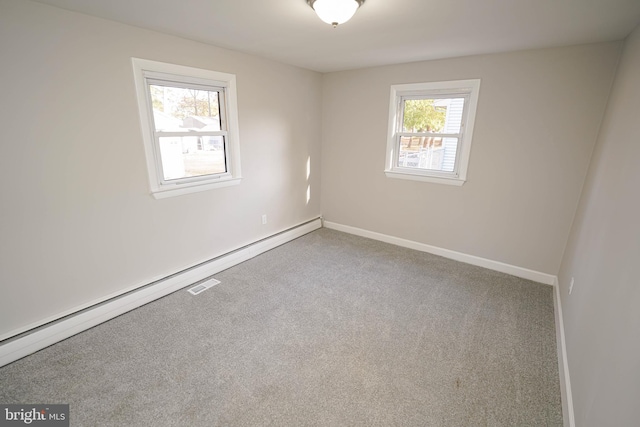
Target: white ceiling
{"x": 381, "y": 32}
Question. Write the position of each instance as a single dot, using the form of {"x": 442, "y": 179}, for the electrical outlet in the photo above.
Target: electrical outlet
{"x": 264, "y": 219}
{"x": 571, "y": 286}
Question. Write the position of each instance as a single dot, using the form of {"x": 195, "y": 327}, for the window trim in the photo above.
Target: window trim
{"x": 456, "y": 88}
{"x": 146, "y": 70}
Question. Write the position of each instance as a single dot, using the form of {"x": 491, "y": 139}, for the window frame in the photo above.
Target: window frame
{"x": 147, "y": 73}
{"x": 468, "y": 89}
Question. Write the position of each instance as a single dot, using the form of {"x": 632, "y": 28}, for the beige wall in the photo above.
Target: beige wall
{"x": 602, "y": 314}
{"x": 77, "y": 222}
{"x": 536, "y": 125}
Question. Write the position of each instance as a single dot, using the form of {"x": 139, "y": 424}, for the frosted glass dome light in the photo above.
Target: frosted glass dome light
{"x": 335, "y": 12}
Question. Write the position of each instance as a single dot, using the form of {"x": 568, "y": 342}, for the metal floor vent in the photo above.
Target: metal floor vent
{"x": 201, "y": 287}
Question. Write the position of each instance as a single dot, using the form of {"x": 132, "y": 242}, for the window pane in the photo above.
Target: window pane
{"x": 177, "y": 109}
{"x": 438, "y": 115}
{"x": 430, "y": 153}
{"x": 189, "y": 156}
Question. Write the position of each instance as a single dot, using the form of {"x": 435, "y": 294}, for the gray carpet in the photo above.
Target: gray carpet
{"x": 328, "y": 330}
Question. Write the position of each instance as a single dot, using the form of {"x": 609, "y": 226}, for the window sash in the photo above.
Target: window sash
{"x": 190, "y": 179}
{"x": 427, "y": 171}
{"x": 156, "y": 135}
{"x": 221, "y": 90}
{"x": 400, "y": 99}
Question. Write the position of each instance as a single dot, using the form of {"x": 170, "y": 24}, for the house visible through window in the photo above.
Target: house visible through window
{"x": 430, "y": 128}
{"x": 189, "y": 123}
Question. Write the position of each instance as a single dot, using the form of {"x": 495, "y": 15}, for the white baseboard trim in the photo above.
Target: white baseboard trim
{"x": 21, "y": 346}
{"x": 563, "y": 363}
{"x": 513, "y": 270}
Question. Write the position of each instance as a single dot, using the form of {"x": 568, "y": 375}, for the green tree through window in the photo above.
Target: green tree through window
{"x": 421, "y": 115}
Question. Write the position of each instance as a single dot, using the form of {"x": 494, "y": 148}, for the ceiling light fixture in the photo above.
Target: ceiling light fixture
{"x": 335, "y": 12}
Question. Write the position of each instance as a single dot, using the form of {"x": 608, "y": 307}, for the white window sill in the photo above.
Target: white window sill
{"x": 179, "y": 190}
{"x": 424, "y": 178}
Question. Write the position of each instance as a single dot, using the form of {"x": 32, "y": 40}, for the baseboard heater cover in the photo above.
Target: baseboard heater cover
{"x": 27, "y": 342}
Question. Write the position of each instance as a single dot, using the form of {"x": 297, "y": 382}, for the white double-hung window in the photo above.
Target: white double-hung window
{"x": 430, "y": 130}
{"x": 189, "y": 127}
